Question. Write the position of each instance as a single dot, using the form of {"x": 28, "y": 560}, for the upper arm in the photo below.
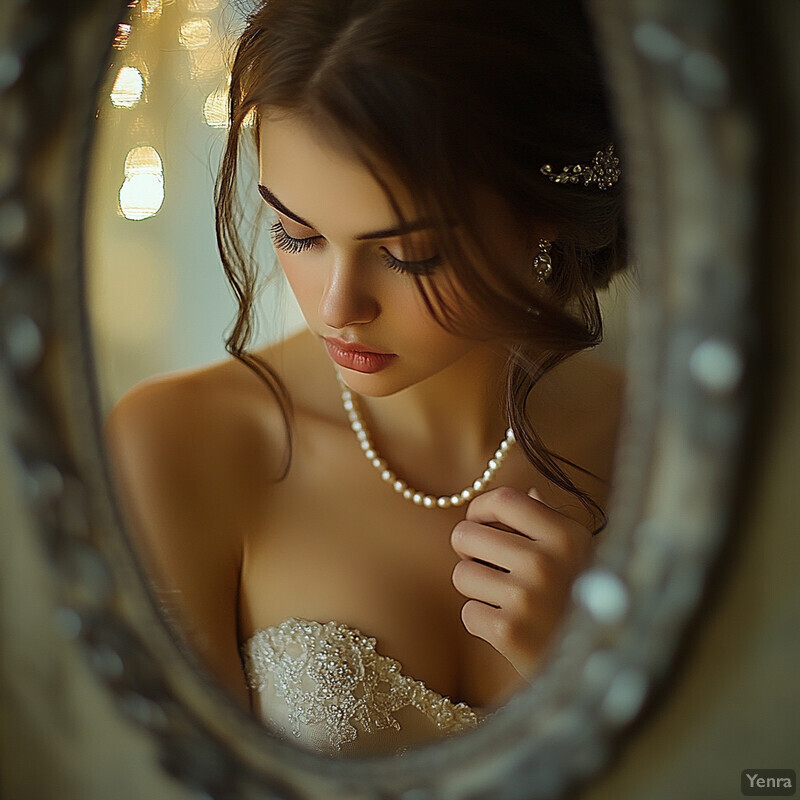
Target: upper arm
{"x": 172, "y": 462}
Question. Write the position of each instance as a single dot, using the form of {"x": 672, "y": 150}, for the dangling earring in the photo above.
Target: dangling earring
{"x": 542, "y": 265}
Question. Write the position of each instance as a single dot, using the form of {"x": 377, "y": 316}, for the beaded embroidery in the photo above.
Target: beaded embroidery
{"x": 331, "y": 674}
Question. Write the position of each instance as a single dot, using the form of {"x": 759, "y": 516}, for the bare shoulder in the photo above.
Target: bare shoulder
{"x": 188, "y": 452}
{"x": 223, "y": 424}
{"x": 578, "y": 410}
{"x": 200, "y": 420}
{"x": 583, "y": 390}
{"x": 598, "y": 381}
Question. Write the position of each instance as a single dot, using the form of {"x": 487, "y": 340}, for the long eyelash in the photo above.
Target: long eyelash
{"x": 290, "y": 244}
{"x": 425, "y": 267}
{"x": 293, "y": 245}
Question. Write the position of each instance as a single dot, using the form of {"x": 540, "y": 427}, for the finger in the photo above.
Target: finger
{"x": 537, "y": 495}
{"x": 525, "y": 514}
{"x": 522, "y": 645}
{"x": 479, "y": 582}
{"x": 487, "y": 623}
{"x": 510, "y": 551}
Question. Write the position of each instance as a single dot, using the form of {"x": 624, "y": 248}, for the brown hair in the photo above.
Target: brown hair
{"x": 452, "y": 96}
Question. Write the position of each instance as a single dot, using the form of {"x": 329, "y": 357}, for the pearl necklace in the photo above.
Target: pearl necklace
{"x": 400, "y": 486}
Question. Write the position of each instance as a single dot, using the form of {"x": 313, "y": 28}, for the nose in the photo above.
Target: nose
{"x": 347, "y": 298}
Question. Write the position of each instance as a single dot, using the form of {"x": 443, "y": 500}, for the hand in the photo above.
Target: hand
{"x": 519, "y": 557}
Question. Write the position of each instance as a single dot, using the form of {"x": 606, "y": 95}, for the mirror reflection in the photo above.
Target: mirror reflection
{"x": 365, "y": 455}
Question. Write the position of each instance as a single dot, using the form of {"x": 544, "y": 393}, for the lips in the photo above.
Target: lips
{"x": 357, "y": 357}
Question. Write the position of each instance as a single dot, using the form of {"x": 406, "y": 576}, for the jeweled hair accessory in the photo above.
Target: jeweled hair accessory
{"x": 604, "y": 171}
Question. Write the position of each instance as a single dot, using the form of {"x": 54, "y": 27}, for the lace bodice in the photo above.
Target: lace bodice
{"x": 326, "y": 686}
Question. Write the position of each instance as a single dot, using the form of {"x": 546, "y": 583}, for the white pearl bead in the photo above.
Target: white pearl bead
{"x": 401, "y": 487}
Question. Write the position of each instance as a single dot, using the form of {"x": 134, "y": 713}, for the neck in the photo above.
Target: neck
{"x": 457, "y": 411}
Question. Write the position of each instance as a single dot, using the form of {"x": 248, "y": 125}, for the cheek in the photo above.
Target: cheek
{"x": 448, "y": 344}
{"x": 404, "y": 315}
{"x": 464, "y": 337}
{"x": 430, "y": 336}
{"x": 409, "y": 312}
{"x": 301, "y": 280}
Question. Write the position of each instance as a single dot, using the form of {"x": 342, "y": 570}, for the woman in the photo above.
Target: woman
{"x": 413, "y": 158}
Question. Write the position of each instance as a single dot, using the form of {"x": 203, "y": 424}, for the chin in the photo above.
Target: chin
{"x": 376, "y": 384}
{"x": 387, "y": 382}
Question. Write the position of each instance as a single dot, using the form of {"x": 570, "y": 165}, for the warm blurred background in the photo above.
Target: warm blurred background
{"x": 157, "y": 295}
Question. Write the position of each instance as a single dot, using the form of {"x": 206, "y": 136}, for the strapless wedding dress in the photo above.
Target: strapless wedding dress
{"x": 325, "y": 686}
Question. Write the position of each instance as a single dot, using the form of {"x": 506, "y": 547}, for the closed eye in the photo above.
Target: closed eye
{"x": 424, "y": 267}
{"x": 291, "y": 244}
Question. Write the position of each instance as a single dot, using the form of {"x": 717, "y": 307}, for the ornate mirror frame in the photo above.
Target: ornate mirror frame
{"x": 690, "y": 140}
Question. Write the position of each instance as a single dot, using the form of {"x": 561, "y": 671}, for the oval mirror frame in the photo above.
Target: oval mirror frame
{"x": 690, "y": 140}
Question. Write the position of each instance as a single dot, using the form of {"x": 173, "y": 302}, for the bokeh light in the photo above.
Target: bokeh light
{"x": 201, "y": 6}
{"x": 150, "y": 10}
{"x": 143, "y": 160}
{"x": 195, "y": 33}
{"x": 128, "y": 87}
{"x": 121, "y": 36}
{"x": 207, "y": 62}
{"x": 142, "y": 192}
{"x": 215, "y": 109}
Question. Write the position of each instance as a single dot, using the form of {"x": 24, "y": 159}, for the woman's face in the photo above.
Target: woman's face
{"x": 351, "y": 268}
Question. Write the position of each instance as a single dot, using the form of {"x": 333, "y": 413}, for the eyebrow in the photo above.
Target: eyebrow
{"x": 388, "y": 233}
{"x": 270, "y": 198}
